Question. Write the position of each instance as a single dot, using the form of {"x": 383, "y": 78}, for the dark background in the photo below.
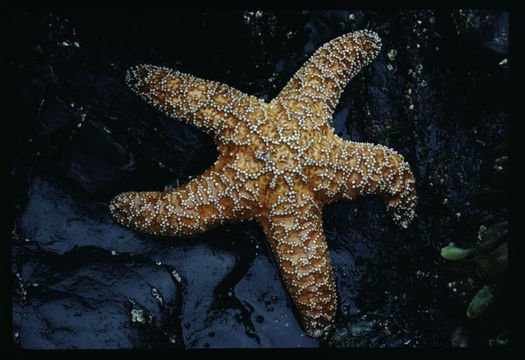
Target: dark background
{"x": 438, "y": 93}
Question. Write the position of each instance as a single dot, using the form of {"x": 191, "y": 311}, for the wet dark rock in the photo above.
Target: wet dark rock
{"x": 438, "y": 93}
{"x": 368, "y": 331}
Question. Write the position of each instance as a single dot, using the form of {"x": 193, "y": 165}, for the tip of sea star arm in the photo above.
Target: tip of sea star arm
{"x": 370, "y": 40}
{"x": 120, "y": 208}
{"x": 140, "y": 78}
{"x": 402, "y": 207}
{"x": 367, "y": 41}
{"x": 135, "y": 210}
{"x": 144, "y": 211}
{"x": 318, "y": 329}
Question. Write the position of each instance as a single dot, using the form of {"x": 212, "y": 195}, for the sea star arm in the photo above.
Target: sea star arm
{"x": 220, "y": 110}
{"x": 296, "y": 236}
{"x": 315, "y": 88}
{"x": 208, "y": 200}
{"x": 382, "y": 171}
{"x": 356, "y": 169}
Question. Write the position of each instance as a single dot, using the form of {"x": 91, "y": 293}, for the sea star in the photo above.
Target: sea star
{"x": 279, "y": 163}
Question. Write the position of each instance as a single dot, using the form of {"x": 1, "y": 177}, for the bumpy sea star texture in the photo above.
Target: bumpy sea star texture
{"x": 279, "y": 163}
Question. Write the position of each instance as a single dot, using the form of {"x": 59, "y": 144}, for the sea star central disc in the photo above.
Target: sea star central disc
{"x": 279, "y": 163}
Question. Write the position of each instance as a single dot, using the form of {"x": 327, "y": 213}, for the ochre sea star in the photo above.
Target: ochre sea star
{"x": 279, "y": 163}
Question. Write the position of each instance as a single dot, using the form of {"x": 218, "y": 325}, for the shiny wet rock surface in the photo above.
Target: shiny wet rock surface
{"x": 438, "y": 93}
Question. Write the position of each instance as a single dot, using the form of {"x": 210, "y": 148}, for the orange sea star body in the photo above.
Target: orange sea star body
{"x": 279, "y": 163}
